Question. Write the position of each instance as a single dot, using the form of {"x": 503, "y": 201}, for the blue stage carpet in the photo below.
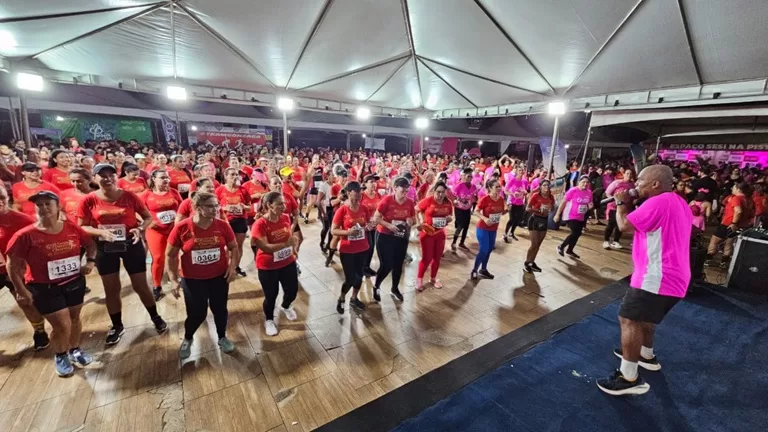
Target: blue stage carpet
{"x": 713, "y": 348}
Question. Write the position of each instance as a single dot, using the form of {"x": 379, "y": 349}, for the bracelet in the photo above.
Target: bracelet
{"x": 90, "y": 260}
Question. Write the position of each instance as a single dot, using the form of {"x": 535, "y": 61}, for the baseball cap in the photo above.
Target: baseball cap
{"x": 286, "y": 171}
{"x": 103, "y": 166}
{"x": 44, "y": 195}
{"x": 353, "y": 187}
{"x": 29, "y": 167}
{"x": 139, "y": 156}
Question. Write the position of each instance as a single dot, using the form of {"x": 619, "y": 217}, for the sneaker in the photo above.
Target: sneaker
{"x": 79, "y": 357}
{"x": 514, "y": 237}
{"x": 160, "y": 325}
{"x": 158, "y": 293}
{"x": 306, "y": 220}
{"x": 270, "y": 327}
{"x": 41, "y": 340}
{"x": 185, "y": 350}
{"x": 377, "y": 294}
{"x": 323, "y": 249}
{"x": 535, "y": 268}
{"x": 114, "y": 335}
{"x": 528, "y": 268}
{"x": 87, "y": 290}
{"x": 473, "y": 275}
{"x": 419, "y": 285}
{"x": 240, "y": 271}
{"x": 560, "y": 250}
{"x": 506, "y": 238}
{"x": 436, "y": 283}
{"x": 226, "y": 345}
{"x": 463, "y": 246}
{"x": 298, "y": 269}
{"x": 606, "y": 245}
{"x": 617, "y": 385}
{"x": 615, "y": 245}
{"x": 573, "y": 254}
{"x": 340, "y": 305}
{"x": 408, "y": 258}
{"x": 64, "y": 367}
{"x": 485, "y": 273}
{"x": 647, "y": 364}
{"x": 453, "y": 247}
{"x": 290, "y": 313}
{"x": 329, "y": 260}
{"x": 396, "y": 294}
{"x": 369, "y": 272}
{"x": 356, "y": 303}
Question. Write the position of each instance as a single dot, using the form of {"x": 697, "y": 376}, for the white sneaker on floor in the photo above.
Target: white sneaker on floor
{"x": 290, "y": 313}
{"x": 615, "y": 245}
{"x": 270, "y": 327}
{"x": 606, "y": 245}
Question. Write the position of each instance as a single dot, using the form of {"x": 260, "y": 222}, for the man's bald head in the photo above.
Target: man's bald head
{"x": 655, "y": 180}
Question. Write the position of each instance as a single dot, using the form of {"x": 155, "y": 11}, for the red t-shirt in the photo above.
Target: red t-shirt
{"x": 371, "y": 203}
{"x": 119, "y": 217}
{"x": 163, "y": 208}
{"x": 51, "y": 258}
{"x": 298, "y": 174}
{"x": 204, "y": 250}
{"x": 179, "y": 179}
{"x": 731, "y": 203}
{"x": 193, "y": 185}
{"x": 291, "y": 205}
{"x": 335, "y": 192}
{"x": 58, "y": 178}
{"x": 137, "y": 187}
{"x": 10, "y": 223}
{"x": 537, "y": 202}
{"x": 253, "y": 189}
{"x": 21, "y": 194}
{"x": 345, "y": 218}
{"x": 235, "y": 205}
{"x": 492, "y": 210}
{"x": 273, "y": 232}
{"x": 392, "y": 211}
{"x": 381, "y": 187}
{"x": 70, "y": 200}
{"x": 434, "y": 213}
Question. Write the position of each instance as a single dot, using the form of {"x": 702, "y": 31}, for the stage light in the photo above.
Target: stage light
{"x": 194, "y": 128}
{"x": 567, "y": 146}
{"x": 285, "y": 104}
{"x": 363, "y": 113}
{"x": 480, "y": 142}
{"x": 365, "y": 136}
{"x": 31, "y": 82}
{"x": 59, "y": 118}
{"x": 421, "y": 123}
{"x": 289, "y": 131}
{"x": 426, "y": 138}
{"x": 7, "y": 41}
{"x": 177, "y": 93}
{"x": 557, "y": 108}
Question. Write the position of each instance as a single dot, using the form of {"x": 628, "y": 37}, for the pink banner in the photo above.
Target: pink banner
{"x": 446, "y": 146}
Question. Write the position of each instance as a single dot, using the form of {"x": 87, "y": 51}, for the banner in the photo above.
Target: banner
{"x": 54, "y": 134}
{"x": 560, "y": 165}
{"x": 446, "y": 146}
{"x": 169, "y": 128}
{"x": 504, "y": 146}
{"x": 230, "y": 136}
{"x": 375, "y": 143}
{"x": 717, "y": 146}
{"x": 638, "y": 155}
{"x": 100, "y": 129}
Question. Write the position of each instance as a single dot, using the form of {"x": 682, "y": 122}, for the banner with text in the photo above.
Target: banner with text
{"x": 100, "y": 129}
{"x": 717, "y": 147}
{"x": 231, "y": 137}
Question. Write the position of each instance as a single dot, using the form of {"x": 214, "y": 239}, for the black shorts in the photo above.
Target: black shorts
{"x": 536, "y": 223}
{"x": 313, "y": 191}
{"x": 239, "y": 225}
{"x": 297, "y": 229}
{"x": 5, "y": 281}
{"x": 108, "y": 257}
{"x": 48, "y": 299}
{"x": 722, "y": 232}
{"x": 643, "y": 306}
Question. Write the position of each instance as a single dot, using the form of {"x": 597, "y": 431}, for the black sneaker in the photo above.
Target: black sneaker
{"x": 306, "y": 220}
{"x": 41, "y": 340}
{"x": 87, "y": 290}
{"x": 647, "y": 364}
{"x": 298, "y": 269}
{"x": 369, "y": 272}
{"x": 356, "y": 303}
{"x": 535, "y": 267}
{"x": 572, "y": 254}
{"x": 157, "y": 292}
{"x": 114, "y": 335}
{"x": 340, "y": 305}
{"x": 329, "y": 259}
{"x": 463, "y": 246}
{"x": 506, "y": 238}
{"x": 396, "y": 294}
{"x": 560, "y": 250}
{"x": 377, "y": 294}
{"x": 528, "y": 268}
{"x": 617, "y": 385}
{"x": 485, "y": 273}
{"x": 514, "y": 237}
{"x": 323, "y": 249}
{"x": 473, "y": 276}
{"x": 240, "y": 271}
{"x": 160, "y": 325}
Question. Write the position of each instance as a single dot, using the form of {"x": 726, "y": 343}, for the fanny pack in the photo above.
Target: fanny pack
{"x": 114, "y": 247}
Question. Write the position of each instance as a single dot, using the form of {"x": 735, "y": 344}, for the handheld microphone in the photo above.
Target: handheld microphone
{"x": 632, "y": 192}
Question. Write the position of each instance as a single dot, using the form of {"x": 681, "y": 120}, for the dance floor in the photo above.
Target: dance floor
{"x": 317, "y": 369}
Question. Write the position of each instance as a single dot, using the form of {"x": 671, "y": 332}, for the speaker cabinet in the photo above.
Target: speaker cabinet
{"x": 749, "y": 266}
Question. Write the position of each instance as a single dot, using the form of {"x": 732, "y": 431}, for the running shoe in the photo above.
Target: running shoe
{"x": 506, "y": 238}
{"x": 535, "y": 267}
{"x": 377, "y": 294}
{"x": 647, "y": 364}
{"x": 87, "y": 290}
{"x": 306, "y": 220}
{"x": 514, "y": 237}
{"x": 419, "y": 285}
{"x": 485, "y": 273}
{"x": 560, "y": 250}
{"x": 185, "y": 350}
{"x": 40, "y": 340}
{"x": 298, "y": 269}
{"x": 617, "y": 246}
{"x": 408, "y": 258}
{"x": 157, "y": 292}
{"x": 114, "y": 335}
{"x": 528, "y": 268}
{"x": 340, "y": 305}
{"x": 453, "y": 247}
{"x": 573, "y": 254}
{"x": 329, "y": 259}
{"x": 606, "y": 245}
{"x": 617, "y": 385}
{"x": 369, "y": 272}
{"x": 436, "y": 283}
{"x": 240, "y": 271}
{"x": 473, "y": 276}
{"x": 396, "y": 294}
{"x": 323, "y": 249}
{"x": 463, "y": 246}
{"x": 356, "y": 303}
{"x": 64, "y": 367}
{"x": 270, "y": 328}
{"x": 290, "y": 313}
{"x": 160, "y": 325}
{"x": 226, "y": 345}
{"x": 79, "y": 357}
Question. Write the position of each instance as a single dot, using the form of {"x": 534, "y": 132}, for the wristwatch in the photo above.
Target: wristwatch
{"x": 618, "y": 203}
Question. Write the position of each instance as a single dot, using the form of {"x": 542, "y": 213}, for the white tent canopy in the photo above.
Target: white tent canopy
{"x": 452, "y": 57}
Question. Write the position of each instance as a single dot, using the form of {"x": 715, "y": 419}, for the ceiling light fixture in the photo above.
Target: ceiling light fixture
{"x": 421, "y": 123}
{"x": 31, "y": 82}
{"x": 557, "y": 108}
{"x": 176, "y": 93}
{"x": 363, "y": 113}
{"x": 285, "y": 104}
{"x": 7, "y": 41}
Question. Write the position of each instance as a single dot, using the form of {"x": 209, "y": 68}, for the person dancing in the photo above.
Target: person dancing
{"x": 349, "y": 225}
{"x": 611, "y": 229}
{"x": 489, "y": 209}
{"x": 162, "y": 203}
{"x": 370, "y": 199}
{"x": 573, "y": 210}
{"x": 516, "y": 188}
{"x": 236, "y": 203}
{"x": 435, "y": 213}
{"x": 660, "y": 251}
{"x": 539, "y": 205}
{"x": 394, "y": 217}
{"x": 465, "y": 193}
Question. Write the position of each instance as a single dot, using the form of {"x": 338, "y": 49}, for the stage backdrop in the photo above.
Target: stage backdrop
{"x": 446, "y": 146}
{"x": 734, "y": 157}
{"x": 561, "y": 155}
{"x": 229, "y": 136}
{"x": 96, "y": 128}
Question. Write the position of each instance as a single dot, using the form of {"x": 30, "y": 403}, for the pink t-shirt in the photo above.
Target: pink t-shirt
{"x": 535, "y": 183}
{"x": 465, "y": 195}
{"x": 618, "y": 186}
{"x": 516, "y": 189}
{"x": 661, "y": 246}
{"x": 576, "y": 204}
{"x": 454, "y": 178}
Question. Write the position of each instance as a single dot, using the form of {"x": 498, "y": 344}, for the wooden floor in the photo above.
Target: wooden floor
{"x": 318, "y": 368}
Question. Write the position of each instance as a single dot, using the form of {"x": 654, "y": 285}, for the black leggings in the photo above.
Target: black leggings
{"x": 327, "y": 222}
{"x": 612, "y": 228}
{"x": 391, "y": 251}
{"x": 353, "y": 265}
{"x": 371, "y": 235}
{"x": 462, "y": 224}
{"x": 576, "y": 227}
{"x": 516, "y": 213}
{"x": 270, "y": 282}
{"x": 199, "y": 295}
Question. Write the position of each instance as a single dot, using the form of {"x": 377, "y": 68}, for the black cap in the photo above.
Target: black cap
{"x": 342, "y": 173}
{"x": 44, "y": 194}
{"x": 30, "y": 167}
{"x": 370, "y": 178}
{"x": 103, "y": 166}
{"x": 353, "y": 187}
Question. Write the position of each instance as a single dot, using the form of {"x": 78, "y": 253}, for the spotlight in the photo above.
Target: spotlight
{"x": 363, "y": 113}
{"x": 31, "y": 82}
{"x": 365, "y": 136}
{"x": 194, "y": 128}
{"x": 285, "y": 104}
{"x": 421, "y": 123}
{"x": 480, "y": 142}
{"x": 59, "y": 118}
{"x": 177, "y": 93}
{"x": 426, "y": 138}
{"x": 557, "y": 108}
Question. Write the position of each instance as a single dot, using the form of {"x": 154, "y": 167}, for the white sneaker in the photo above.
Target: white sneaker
{"x": 290, "y": 313}
{"x": 615, "y": 245}
{"x": 606, "y": 245}
{"x": 270, "y": 327}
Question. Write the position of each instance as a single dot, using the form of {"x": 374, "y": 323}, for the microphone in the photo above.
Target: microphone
{"x": 632, "y": 192}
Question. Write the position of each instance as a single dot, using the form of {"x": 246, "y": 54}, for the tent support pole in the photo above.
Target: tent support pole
{"x": 586, "y": 148}
{"x": 25, "y": 132}
{"x": 421, "y": 148}
{"x": 658, "y": 143}
{"x": 555, "y": 133}
{"x": 285, "y": 134}
{"x": 347, "y": 140}
{"x": 178, "y": 131}
{"x": 12, "y": 114}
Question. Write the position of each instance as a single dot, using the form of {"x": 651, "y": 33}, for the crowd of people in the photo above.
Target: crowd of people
{"x": 70, "y": 209}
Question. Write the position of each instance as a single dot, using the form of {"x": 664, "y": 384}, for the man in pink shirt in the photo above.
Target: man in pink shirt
{"x": 660, "y": 251}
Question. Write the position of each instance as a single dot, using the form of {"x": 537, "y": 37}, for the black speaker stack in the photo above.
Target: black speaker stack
{"x": 749, "y": 266}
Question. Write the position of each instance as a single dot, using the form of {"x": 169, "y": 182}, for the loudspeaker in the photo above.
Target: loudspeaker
{"x": 749, "y": 266}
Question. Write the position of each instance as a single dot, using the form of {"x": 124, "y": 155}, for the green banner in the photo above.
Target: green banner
{"x": 100, "y": 129}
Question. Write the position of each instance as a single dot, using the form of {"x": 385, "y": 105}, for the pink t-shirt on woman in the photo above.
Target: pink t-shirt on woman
{"x": 618, "y": 186}
{"x": 516, "y": 189}
{"x": 465, "y": 195}
{"x": 576, "y": 204}
{"x": 661, "y": 246}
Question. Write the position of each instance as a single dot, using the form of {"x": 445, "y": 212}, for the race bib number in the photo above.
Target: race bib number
{"x": 206, "y": 256}
{"x": 495, "y": 218}
{"x": 183, "y": 188}
{"x": 283, "y": 254}
{"x": 582, "y": 208}
{"x": 356, "y": 235}
{"x": 544, "y": 208}
{"x": 438, "y": 222}
{"x": 64, "y": 267}
{"x": 119, "y": 231}
{"x": 166, "y": 217}
{"x": 318, "y": 184}
{"x": 235, "y": 210}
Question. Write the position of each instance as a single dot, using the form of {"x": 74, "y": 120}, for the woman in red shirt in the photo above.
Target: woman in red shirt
{"x": 738, "y": 211}
{"x": 435, "y": 212}
{"x": 31, "y": 185}
{"x": 185, "y": 208}
{"x": 540, "y": 204}
{"x": 256, "y": 187}
{"x": 370, "y": 199}
{"x": 208, "y": 266}
{"x": 59, "y": 166}
{"x": 71, "y": 198}
{"x": 110, "y": 215}
{"x": 275, "y": 248}
{"x": 489, "y": 209}
{"x": 180, "y": 178}
{"x": 394, "y": 216}
{"x": 45, "y": 265}
{"x": 131, "y": 181}
{"x": 163, "y": 204}
{"x": 338, "y": 198}
{"x": 349, "y": 225}
{"x": 236, "y": 203}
